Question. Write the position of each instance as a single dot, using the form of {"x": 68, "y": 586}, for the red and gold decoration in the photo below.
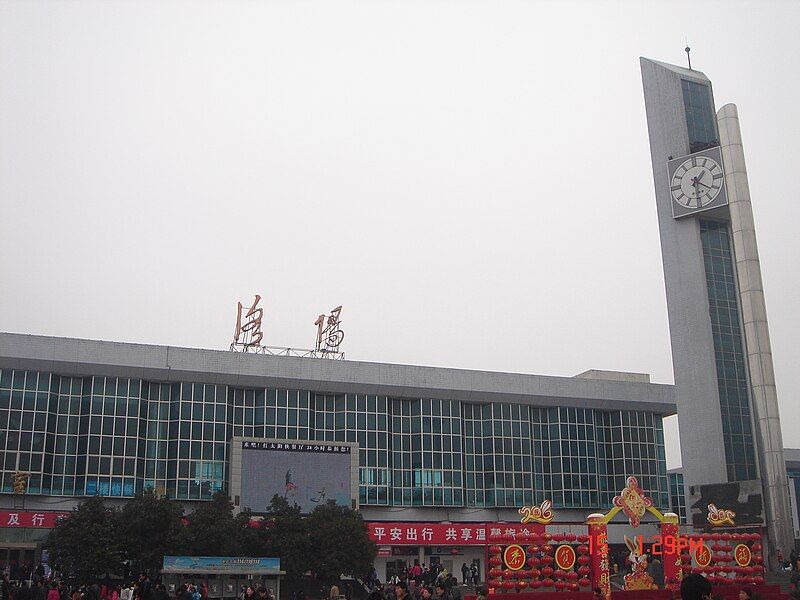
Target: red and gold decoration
{"x": 514, "y": 557}
{"x": 565, "y": 557}
{"x": 702, "y": 556}
{"x": 743, "y": 555}
{"x": 632, "y": 501}
{"x": 598, "y": 540}
{"x": 720, "y": 516}
{"x": 550, "y": 562}
{"x": 531, "y": 559}
{"x": 727, "y": 558}
{"x": 670, "y": 555}
{"x": 538, "y": 514}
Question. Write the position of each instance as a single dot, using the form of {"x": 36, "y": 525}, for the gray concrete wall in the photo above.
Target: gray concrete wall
{"x": 696, "y": 393}
{"x": 763, "y": 392}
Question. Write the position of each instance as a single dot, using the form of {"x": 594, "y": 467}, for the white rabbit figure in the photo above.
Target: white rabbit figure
{"x": 639, "y": 578}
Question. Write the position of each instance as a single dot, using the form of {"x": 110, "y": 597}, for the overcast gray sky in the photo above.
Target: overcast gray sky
{"x": 471, "y": 180}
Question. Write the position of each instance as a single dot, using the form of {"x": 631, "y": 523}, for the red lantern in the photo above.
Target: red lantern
{"x": 495, "y": 561}
{"x": 546, "y": 560}
{"x": 725, "y": 536}
{"x": 560, "y": 585}
{"x": 572, "y": 575}
{"x": 584, "y": 571}
{"x": 727, "y": 569}
{"x": 570, "y": 537}
{"x": 508, "y": 574}
{"x": 560, "y": 574}
{"x": 584, "y": 560}
{"x": 508, "y": 585}
{"x": 547, "y": 536}
{"x": 756, "y": 548}
{"x": 758, "y": 580}
{"x": 686, "y": 558}
{"x": 697, "y": 570}
{"x": 533, "y": 549}
{"x": 495, "y": 549}
{"x": 687, "y": 569}
{"x": 522, "y": 584}
{"x": 583, "y": 538}
{"x": 558, "y": 537}
{"x": 536, "y": 584}
{"x": 758, "y": 559}
{"x": 548, "y": 582}
{"x": 494, "y": 573}
{"x": 535, "y": 573}
{"x": 495, "y": 583}
{"x": 584, "y": 582}
{"x": 583, "y": 549}
{"x": 547, "y": 572}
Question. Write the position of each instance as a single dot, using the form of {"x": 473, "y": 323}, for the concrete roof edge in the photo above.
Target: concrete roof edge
{"x": 80, "y": 357}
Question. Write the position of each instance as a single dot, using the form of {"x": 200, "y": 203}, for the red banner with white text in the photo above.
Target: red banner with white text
{"x": 446, "y": 534}
{"x": 22, "y": 519}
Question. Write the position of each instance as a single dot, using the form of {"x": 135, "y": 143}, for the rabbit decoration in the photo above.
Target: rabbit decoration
{"x": 638, "y": 578}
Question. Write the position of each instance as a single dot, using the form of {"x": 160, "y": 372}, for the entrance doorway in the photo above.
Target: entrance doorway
{"x": 17, "y": 562}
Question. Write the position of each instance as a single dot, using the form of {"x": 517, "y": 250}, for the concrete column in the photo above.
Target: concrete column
{"x": 764, "y": 396}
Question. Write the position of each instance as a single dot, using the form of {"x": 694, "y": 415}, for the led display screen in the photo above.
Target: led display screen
{"x": 305, "y": 474}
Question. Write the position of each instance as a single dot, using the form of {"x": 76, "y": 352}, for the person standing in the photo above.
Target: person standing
{"x": 454, "y": 589}
{"x": 695, "y": 587}
{"x": 464, "y": 573}
{"x": 400, "y": 590}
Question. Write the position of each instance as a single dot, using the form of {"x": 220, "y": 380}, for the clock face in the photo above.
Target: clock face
{"x": 696, "y": 182}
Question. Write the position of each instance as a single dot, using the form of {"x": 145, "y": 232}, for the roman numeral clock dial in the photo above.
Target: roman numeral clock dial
{"x": 696, "y": 182}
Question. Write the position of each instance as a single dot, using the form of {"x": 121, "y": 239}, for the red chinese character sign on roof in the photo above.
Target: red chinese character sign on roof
{"x": 632, "y": 501}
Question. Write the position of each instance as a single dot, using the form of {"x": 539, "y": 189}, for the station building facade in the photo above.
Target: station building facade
{"x": 434, "y": 445}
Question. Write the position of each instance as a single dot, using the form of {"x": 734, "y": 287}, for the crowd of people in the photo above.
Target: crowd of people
{"x": 56, "y": 588}
{"x": 423, "y": 575}
{"x": 421, "y": 581}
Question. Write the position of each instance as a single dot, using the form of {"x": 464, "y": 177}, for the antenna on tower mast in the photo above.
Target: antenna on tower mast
{"x": 688, "y": 56}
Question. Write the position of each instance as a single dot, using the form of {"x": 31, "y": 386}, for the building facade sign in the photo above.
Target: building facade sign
{"x": 221, "y": 564}
{"x": 36, "y": 520}
{"x": 444, "y": 534}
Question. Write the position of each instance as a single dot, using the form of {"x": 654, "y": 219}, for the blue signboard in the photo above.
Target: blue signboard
{"x": 221, "y": 564}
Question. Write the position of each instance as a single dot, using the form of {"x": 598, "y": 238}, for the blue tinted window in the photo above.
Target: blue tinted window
{"x": 701, "y": 120}
{"x": 729, "y": 351}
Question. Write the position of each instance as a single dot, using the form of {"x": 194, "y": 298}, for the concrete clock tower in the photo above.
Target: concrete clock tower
{"x": 731, "y": 440}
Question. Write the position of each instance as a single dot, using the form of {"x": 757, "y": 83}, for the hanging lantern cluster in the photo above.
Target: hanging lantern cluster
{"x": 725, "y": 558}
{"x": 557, "y": 561}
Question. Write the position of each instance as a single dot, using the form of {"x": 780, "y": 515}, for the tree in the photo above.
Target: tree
{"x": 285, "y": 534}
{"x": 340, "y": 543}
{"x": 149, "y": 526}
{"x": 212, "y": 530}
{"x": 85, "y": 545}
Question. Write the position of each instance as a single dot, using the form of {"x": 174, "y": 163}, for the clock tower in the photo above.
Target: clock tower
{"x": 722, "y": 360}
